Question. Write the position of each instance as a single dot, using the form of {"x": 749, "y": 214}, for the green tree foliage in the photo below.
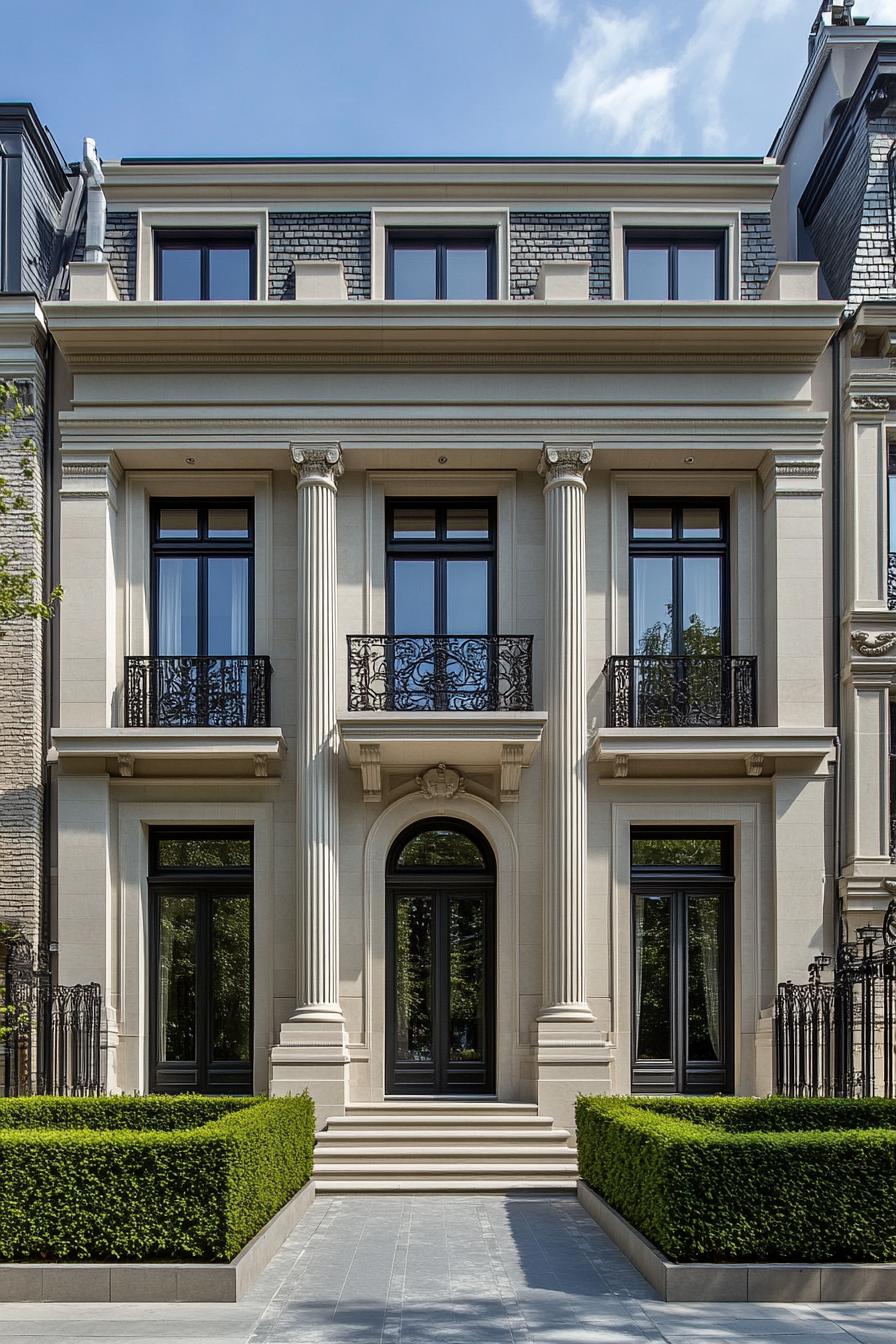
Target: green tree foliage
{"x": 19, "y": 583}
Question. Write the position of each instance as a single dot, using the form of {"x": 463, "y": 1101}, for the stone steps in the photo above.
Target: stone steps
{"x": 429, "y": 1145}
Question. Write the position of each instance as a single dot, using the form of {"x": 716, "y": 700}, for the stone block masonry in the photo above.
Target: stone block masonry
{"x": 21, "y": 697}
{"x": 550, "y": 235}
{"x": 318, "y": 236}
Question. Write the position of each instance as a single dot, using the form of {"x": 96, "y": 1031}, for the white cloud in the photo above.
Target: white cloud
{"x": 635, "y": 79}
{"x": 881, "y": 11}
{"x": 546, "y": 11}
{"x": 606, "y": 84}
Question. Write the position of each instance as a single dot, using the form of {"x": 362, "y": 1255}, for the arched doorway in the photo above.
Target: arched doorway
{"x": 440, "y": 961}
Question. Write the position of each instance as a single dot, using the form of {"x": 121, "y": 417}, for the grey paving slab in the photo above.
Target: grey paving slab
{"x": 488, "y": 1269}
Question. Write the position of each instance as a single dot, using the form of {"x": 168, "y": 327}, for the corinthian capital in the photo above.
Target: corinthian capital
{"x": 564, "y": 462}
{"x": 321, "y": 462}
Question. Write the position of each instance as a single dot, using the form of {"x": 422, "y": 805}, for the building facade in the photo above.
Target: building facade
{"x": 474, "y": 677}
{"x": 438, "y": 713}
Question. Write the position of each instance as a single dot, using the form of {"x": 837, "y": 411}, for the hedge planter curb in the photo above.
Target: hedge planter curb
{"x": 146, "y": 1282}
{"x": 704, "y": 1282}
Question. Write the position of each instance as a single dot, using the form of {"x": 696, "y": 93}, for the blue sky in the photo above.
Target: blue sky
{"x": 231, "y": 77}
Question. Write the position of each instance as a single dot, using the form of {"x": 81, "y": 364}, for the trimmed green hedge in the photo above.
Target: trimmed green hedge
{"x": 147, "y": 1178}
{"x": 730, "y": 1179}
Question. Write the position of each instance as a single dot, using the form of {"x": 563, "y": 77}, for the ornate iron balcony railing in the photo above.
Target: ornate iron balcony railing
{"x": 439, "y": 672}
{"x": 671, "y": 691}
{"x": 197, "y": 692}
{"x": 891, "y": 580}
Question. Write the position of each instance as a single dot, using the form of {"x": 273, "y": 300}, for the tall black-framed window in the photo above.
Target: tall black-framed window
{"x": 200, "y": 959}
{"x": 682, "y": 884}
{"x": 193, "y": 264}
{"x": 679, "y": 577}
{"x": 202, "y": 578}
{"x": 685, "y": 264}
{"x": 440, "y": 960}
{"x": 441, "y": 569}
{"x": 446, "y": 264}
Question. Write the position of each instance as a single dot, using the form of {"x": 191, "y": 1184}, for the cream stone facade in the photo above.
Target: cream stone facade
{"x": 557, "y": 416}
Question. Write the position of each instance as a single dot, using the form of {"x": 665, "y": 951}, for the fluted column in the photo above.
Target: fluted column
{"x": 564, "y": 747}
{"x": 317, "y": 470}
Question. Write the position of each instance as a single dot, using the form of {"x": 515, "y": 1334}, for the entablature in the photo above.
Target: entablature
{"x": 371, "y": 330}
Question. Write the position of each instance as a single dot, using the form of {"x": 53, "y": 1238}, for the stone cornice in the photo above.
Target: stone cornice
{"x": 619, "y": 430}
{"x": 23, "y": 332}
{"x": 380, "y": 330}
{"x": 365, "y": 183}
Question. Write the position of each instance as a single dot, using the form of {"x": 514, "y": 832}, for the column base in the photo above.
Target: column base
{"x": 312, "y": 1057}
{"x": 571, "y": 1057}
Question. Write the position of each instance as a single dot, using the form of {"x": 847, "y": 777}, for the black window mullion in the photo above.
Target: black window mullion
{"x": 673, "y": 271}
{"x": 441, "y": 271}
{"x": 204, "y": 274}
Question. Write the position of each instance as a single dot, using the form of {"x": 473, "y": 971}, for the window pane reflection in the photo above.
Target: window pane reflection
{"x": 652, "y": 604}
{"x": 697, "y": 274}
{"x": 229, "y": 273}
{"x": 653, "y": 977}
{"x": 701, "y": 605}
{"x": 647, "y": 273}
{"x": 224, "y": 523}
{"x": 414, "y": 273}
{"x": 701, "y": 523}
{"x": 231, "y": 977}
{"x": 177, "y": 978}
{"x": 466, "y": 273}
{"x": 413, "y": 597}
{"x": 228, "y": 605}
{"x": 466, "y": 940}
{"x": 177, "y": 523}
{"x": 177, "y": 618}
{"x": 651, "y": 522}
{"x": 413, "y": 978}
{"x": 704, "y": 915}
{"x": 467, "y": 525}
{"x": 181, "y": 273}
{"x": 414, "y": 524}
{"x": 467, "y": 597}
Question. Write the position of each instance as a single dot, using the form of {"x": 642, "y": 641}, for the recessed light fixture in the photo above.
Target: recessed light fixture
{"x": 190, "y": 461}
{"x": 442, "y": 461}
{"x": 688, "y": 461}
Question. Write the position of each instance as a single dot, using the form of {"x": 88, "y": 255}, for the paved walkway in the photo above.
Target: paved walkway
{"x": 488, "y": 1270}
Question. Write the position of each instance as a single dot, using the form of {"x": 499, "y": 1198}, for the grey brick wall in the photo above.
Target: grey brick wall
{"x": 316, "y": 235}
{"x": 548, "y": 235}
{"x": 757, "y": 254}
{"x": 121, "y": 249}
{"x": 21, "y": 698}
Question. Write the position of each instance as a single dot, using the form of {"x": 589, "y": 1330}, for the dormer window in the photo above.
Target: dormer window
{"x": 444, "y": 264}
{"x": 683, "y": 264}
{"x": 193, "y": 265}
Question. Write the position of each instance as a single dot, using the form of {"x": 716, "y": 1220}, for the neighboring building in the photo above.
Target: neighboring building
{"x": 837, "y": 148}
{"x": 35, "y": 188}
{"x": 438, "y": 709}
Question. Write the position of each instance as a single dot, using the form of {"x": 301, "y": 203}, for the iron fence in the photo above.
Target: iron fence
{"x": 837, "y": 1037}
{"x": 49, "y": 1034}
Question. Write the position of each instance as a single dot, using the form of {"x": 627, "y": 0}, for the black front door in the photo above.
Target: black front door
{"x": 682, "y": 971}
{"x": 200, "y": 919}
{"x": 440, "y": 962}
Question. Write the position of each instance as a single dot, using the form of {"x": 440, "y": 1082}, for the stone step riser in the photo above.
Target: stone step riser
{"x": 436, "y": 1186}
{"x": 544, "y": 1153}
{"x": 559, "y": 1138}
{"x": 455, "y": 1162}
